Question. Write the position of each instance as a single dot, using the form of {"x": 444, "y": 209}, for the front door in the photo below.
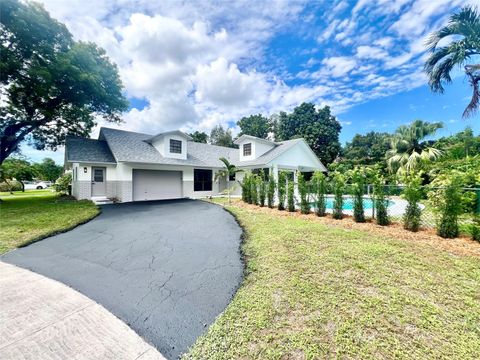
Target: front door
{"x": 98, "y": 181}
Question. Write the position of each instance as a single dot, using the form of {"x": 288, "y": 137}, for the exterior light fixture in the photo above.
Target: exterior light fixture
{"x": 85, "y": 169}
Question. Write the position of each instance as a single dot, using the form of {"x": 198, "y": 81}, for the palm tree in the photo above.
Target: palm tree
{"x": 408, "y": 151}
{"x": 226, "y": 172}
{"x": 463, "y": 29}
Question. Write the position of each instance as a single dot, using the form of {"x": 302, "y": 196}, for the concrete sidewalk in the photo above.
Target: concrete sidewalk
{"x": 43, "y": 319}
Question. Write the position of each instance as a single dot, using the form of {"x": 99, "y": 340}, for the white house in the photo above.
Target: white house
{"x": 129, "y": 166}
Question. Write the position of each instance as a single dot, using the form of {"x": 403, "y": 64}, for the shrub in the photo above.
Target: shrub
{"x": 282, "y": 189}
{"x": 11, "y": 185}
{"x": 262, "y": 188}
{"x": 290, "y": 196}
{"x": 271, "y": 190}
{"x": 303, "y": 191}
{"x": 338, "y": 189}
{"x": 380, "y": 202}
{"x": 246, "y": 189}
{"x": 412, "y": 193}
{"x": 63, "y": 183}
{"x": 357, "y": 177}
{"x": 476, "y": 228}
{"x": 449, "y": 208}
{"x": 254, "y": 189}
{"x": 319, "y": 188}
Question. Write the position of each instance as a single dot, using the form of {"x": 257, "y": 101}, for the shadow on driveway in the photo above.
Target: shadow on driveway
{"x": 166, "y": 268}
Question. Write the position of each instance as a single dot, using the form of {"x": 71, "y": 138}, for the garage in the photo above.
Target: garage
{"x": 156, "y": 185}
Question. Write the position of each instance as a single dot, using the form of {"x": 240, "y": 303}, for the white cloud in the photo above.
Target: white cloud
{"x": 339, "y": 65}
{"x": 370, "y": 52}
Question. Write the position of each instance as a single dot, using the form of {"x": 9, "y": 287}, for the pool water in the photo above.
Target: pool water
{"x": 348, "y": 203}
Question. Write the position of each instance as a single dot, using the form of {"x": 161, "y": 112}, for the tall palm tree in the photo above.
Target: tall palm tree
{"x": 226, "y": 172}
{"x": 463, "y": 31}
{"x": 407, "y": 150}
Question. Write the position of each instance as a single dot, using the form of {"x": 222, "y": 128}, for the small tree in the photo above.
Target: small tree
{"x": 380, "y": 201}
{"x": 262, "y": 188}
{"x": 17, "y": 169}
{"x": 412, "y": 193}
{"x": 357, "y": 176}
{"x": 304, "y": 194}
{"x": 246, "y": 189}
{"x": 271, "y": 190}
{"x": 254, "y": 189}
{"x": 282, "y": 189}
{"x": 449, "y": 208}
{"x": 229, "y": 170}
{"x": 319, "y": 186}
{"x": 338, "y": 189}
{"x": 48, "y": 170}
{"x": 290, "y": 196}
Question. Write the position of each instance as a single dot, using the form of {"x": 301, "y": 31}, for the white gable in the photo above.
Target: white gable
{"x": 300, "y": 156}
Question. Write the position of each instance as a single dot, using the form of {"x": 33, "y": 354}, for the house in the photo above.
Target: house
{"x": 129, "y": 166}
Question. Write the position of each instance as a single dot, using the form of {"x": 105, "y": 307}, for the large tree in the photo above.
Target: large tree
{"x": 461, "y": 39}
{"x": 254, "y": 125}
{"x": 408, "y": 148}
{"x": 319, "y": 128}
{"x": 199, "y": 137}
{"x": 52, "y": 86}
{"x": 368, "y": 149}
{"x": 48, "y": 170}
{"x": 221, "y": 137}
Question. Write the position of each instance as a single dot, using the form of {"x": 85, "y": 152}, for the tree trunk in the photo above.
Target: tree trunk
{"x": 23, "y": 185}
{"x": 228, "y": 188}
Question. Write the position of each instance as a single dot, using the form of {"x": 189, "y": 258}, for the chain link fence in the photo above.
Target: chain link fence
{"x": 396, "y": 204}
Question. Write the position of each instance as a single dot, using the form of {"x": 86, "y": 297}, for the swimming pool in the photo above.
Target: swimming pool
{"x": 348, "y": 203}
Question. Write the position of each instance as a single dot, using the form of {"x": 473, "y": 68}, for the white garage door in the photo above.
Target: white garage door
{"x": 156, "y": 185}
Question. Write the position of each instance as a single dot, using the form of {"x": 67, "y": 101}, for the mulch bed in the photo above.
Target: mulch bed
{"x": 463, "y": 245}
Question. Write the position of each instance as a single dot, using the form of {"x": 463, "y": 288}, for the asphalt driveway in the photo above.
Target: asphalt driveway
{"x": 165, "y": 268}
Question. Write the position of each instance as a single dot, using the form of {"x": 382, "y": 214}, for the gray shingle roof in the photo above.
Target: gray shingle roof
{"x": 132, "y": 147}
{"x": 88, "y": 150}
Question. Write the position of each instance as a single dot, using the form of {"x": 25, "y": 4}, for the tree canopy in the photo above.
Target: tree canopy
{"x": 199, "y": 137}
{"x": 368, "y": 149}
{"x": 47, "y": 170}
{"x": 319, "y": 128}
{"x": 254, "y": 125}
{"x": 53, "y": 86}
{"x": 18, "y": 169}
{"x": 221, "y": 137}
{"x": 461, "y": 49}
{"x": 408, "y": 148}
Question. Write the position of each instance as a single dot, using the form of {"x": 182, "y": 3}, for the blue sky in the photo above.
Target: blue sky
{"x": 198, "y": 64}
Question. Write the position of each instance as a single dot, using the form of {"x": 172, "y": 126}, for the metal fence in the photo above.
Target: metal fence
{"x": 397, "y": 204}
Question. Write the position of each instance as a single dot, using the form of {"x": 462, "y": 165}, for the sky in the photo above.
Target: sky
{"x": 191, "y": 65}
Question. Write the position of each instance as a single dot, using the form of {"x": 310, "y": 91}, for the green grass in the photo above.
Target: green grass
{"x": 313, "y": 292}
{"x": 33, "y": 215}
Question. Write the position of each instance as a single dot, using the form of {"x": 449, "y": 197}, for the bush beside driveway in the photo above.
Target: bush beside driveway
{"x": 33, "y": 215}
{"x": 316, "y": 290}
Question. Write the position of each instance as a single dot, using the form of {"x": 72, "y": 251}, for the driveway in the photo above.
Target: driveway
{"x": 166, "y": 268}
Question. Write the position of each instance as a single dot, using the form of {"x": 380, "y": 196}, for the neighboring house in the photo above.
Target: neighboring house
{"x": 129, "y": 166}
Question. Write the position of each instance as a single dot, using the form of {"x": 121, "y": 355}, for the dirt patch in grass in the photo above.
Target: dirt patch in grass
{"x": 460, "y": 246}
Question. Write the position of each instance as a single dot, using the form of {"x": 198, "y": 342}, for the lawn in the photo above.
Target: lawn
{"x": 313, "y": 290}
{"x": 33, "y": 215}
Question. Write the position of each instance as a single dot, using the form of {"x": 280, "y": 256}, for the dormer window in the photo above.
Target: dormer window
{"x": 247, "y": 149}
{"x": 175, "y": 146}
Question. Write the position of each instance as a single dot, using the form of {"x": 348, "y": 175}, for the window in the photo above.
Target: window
{"x": 202, "y": 180}
{"x": 231, "y": 177}
{"x": 247, "y": 149}
{"x": 98, "y": 175}
{"x": 266, "y": 172}
{"x": 175, "y": 146}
